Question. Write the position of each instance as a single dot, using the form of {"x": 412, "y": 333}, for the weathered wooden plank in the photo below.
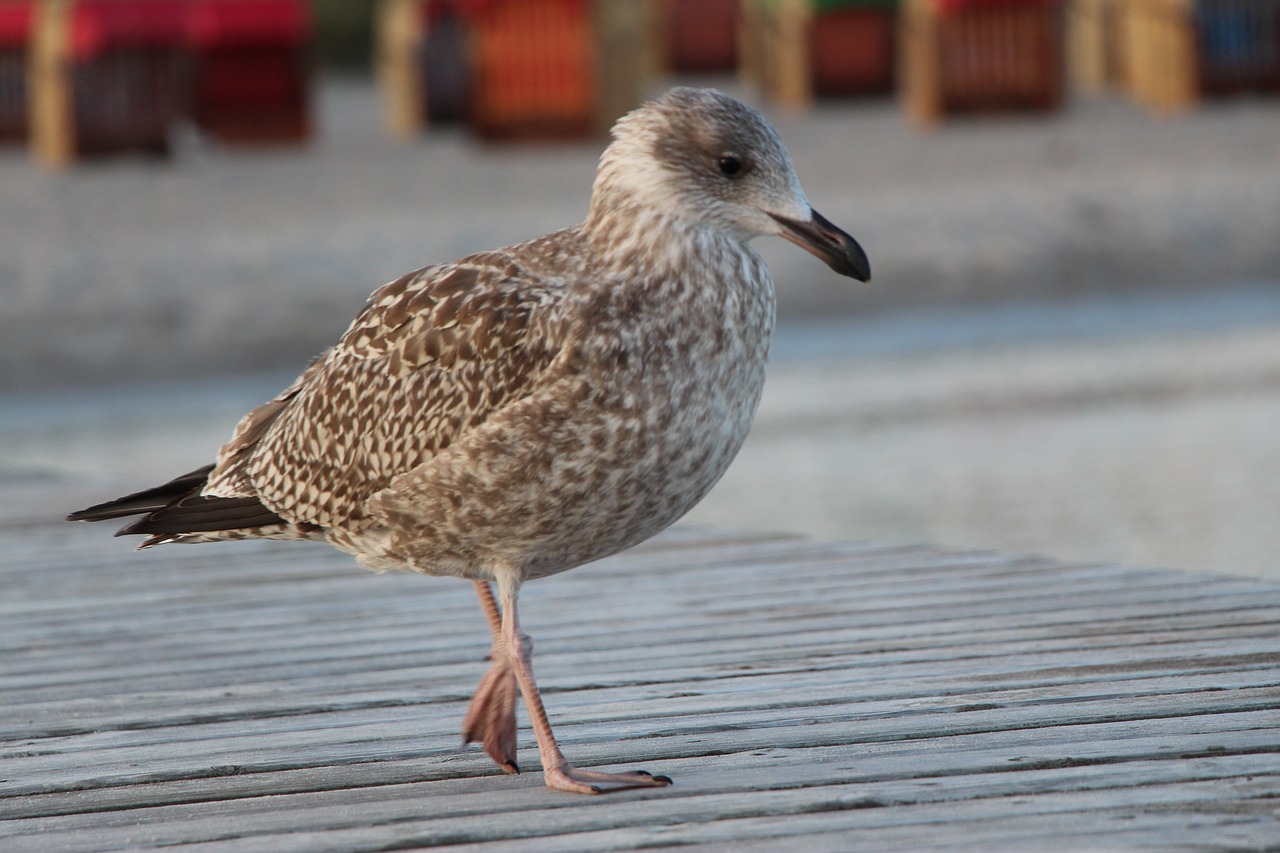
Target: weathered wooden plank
{"x": 256, "y": 604}
{"x": 305, "y": 632}
{"x": 953, "y": 585}
{"x": 900, "y": 680}
{"x": 889, "y": 759}
{"x": 926, "y": 760}
{"x": 198, "y": 704}
{"x": 779, "y": 564}
{"x": 256, "y": 697}
{"x": 116, "y": 761}
{"x": 723, "y": 571}
{"x": 933, "y": 826}
{"x": 312, "y": 737}
{"x": 410, "y": 814}
{"x": 902, "y": 684}
{"x": 858, "y": 662}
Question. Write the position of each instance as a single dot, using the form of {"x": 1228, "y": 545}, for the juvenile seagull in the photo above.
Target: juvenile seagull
{"x": 523, "y": 411}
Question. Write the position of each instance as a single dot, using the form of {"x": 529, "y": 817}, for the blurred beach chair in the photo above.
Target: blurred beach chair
{"x": 533, "y": 69}
{"x": 106, "y": 77}
{"x": 1094, "y": 44}
{"x": 250, "y": 69}
{"x": 16, "y": 25}
{"x": 422, "y": 64}
{"x": 796, "y": 50}
{"x": 117, "y": 76}
{"x": 1179, "y": 51}
{"x": 699, "y": 36}
{"x": 1238, "y": 45}
{"x": 981, "y": 56}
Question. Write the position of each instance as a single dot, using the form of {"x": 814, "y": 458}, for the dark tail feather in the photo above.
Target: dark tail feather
{"x": 177, "y": 507}
{"x": 148, "y": 500}
{"x": 196, "y": 514}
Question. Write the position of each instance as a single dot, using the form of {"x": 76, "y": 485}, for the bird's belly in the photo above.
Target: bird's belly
{"x": 655, "y": 457}
{"x": 562, "y": 485}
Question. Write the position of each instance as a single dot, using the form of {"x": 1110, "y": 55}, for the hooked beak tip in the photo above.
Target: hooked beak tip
{"x": 821, "y": 238}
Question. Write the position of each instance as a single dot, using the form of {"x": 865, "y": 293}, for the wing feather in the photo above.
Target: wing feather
{"x": 430, "y": 356}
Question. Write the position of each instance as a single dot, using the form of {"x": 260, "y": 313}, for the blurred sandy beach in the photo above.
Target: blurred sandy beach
{"x": 1071, "y": 344}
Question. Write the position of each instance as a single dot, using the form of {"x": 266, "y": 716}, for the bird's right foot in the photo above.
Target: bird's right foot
{"x": 575, "y": 780}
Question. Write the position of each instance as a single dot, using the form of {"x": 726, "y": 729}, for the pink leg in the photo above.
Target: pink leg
{"x": 557, "y": 771}
{"x": 491, "y": 716}
{"x": 490, "y": 607}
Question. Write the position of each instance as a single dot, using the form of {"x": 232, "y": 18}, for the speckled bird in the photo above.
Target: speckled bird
{"x": 526, "y": 410}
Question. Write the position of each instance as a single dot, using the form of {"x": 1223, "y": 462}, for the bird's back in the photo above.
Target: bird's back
{"x": 429, "y": 357}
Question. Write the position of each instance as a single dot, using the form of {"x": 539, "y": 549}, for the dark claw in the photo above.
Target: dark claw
{"x": 666, "y": 779}
{"x": 596, "y": 789}
{"x": 642, "y": 772}
{"x": 511, "y": 767}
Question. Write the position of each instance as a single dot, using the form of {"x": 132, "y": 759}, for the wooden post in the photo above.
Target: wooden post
{"x": 921, "y": 87}
{"x": 400, "y": 31}
{"x": 750, "y": 49}
{"x": 1159, "y": 40}
{"x": 775, "y": 50}
{"x": 1088, "y": 37}
{"x": 1184, "y": 72}
{"x": 793, "y": 87}
{"x": 626, "y": 56}
{"x": 53, "y": 130}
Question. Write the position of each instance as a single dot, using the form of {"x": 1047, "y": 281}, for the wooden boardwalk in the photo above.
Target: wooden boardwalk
{"x": 803, "y": 695}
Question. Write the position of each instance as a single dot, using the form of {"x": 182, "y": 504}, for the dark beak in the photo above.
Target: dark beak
{"x": 840, "y": 251}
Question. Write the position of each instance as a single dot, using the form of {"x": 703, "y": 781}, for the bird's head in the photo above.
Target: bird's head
{"x": 703, "y": 159}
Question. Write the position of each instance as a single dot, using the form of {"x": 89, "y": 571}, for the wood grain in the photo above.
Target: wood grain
{"x": 806, "y": 695}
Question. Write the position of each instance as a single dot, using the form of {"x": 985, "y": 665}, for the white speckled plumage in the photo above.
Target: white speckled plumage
{"x": 523, "y": 411}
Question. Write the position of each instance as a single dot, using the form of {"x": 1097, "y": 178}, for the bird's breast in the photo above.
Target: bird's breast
{"x": 672, "y": 394}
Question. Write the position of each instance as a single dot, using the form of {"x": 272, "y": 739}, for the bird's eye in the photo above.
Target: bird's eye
{"x": 729, "y": 165}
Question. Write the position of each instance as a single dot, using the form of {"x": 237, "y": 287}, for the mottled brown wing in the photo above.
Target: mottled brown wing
{"x": 230, "y": 475}
{"x": 430, "y": 356}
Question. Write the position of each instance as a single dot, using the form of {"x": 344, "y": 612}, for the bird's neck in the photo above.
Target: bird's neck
{"x": 636, "y": 236}
{"x": 635, "y": 218}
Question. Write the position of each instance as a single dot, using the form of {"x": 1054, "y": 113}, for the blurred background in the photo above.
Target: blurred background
{"x": 1071, "y": 344}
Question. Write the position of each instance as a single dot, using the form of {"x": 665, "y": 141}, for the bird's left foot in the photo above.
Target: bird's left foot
{"x": 568, "y": 778}
{"x": 491, "y": 717}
